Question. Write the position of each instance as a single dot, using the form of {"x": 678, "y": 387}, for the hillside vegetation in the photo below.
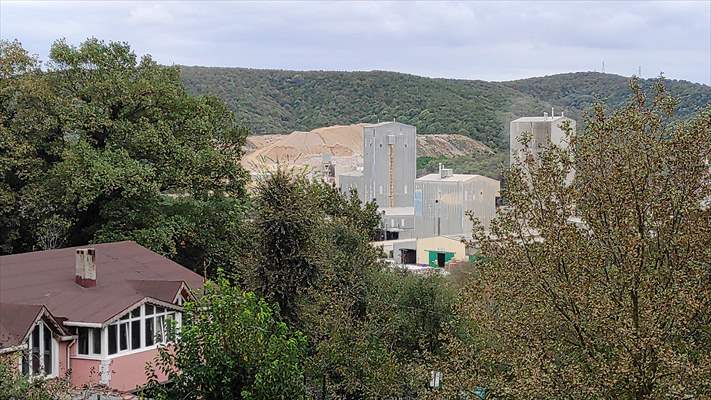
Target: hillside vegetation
{"x": 271, "y": 101}
{"x": 579, "y": 90}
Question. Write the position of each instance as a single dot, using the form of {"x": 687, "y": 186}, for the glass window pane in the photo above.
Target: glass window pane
{"x": 25, "y": 362}
{"x": 160, "y": 329}
{"x": 112, "y": 339}
{"x": 123, "y": 336}
{"x": 36, "y": 350}
{"x": 125, "y": 316}
{"x": 149, "y": 309}
{"x": 160, "y": 310}
{"x": 96, "y": 340}
{"x": 83, "y": 346}
{"x": 170, "y": 326}
{"x": 135, "y": 334}
{"x": 47, "y": 341}
{"x": 150, "y": 333}
{"x": 136, "y": 312}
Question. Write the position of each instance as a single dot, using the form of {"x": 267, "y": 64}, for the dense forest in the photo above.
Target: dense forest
{"x": 271, "y": 101}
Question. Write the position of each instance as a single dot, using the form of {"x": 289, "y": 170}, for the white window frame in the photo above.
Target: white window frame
{"x": 142, "y": 317}
{"x": 54, "y": 351}
{"x": 91, "y": 355}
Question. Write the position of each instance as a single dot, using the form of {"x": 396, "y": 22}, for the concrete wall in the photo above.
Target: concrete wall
{"x": 386, "y": 145}
{"x": 441, "y": 206}
{"x": 543, "y": 133}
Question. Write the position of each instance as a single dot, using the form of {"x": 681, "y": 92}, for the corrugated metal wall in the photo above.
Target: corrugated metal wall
{"x": 444, "y": 204}
{"x": 389, "y": 145}
{"x": 346, "y": 182}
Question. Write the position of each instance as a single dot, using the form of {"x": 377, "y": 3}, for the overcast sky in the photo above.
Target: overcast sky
{"x": 477, "y": 40}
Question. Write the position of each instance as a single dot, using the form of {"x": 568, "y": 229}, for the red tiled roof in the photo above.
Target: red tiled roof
{"x": 126, "y": 273}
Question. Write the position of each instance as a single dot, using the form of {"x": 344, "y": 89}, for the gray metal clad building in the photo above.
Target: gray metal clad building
{"x": 442, "y": 200}
{"x": 352, "y": 180}
{"x": 544, "y": 131}
{"x": 398, "y": 222}
{"x": 389, "y": 163}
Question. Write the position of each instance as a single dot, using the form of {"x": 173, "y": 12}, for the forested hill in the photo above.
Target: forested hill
{"x": 269, "y": 101}
{"x": 579, "y": 90}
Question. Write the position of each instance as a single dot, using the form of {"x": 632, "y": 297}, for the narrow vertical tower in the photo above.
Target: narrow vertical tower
{"x": 389, "y": 164}
{"x": 391, "y": 175}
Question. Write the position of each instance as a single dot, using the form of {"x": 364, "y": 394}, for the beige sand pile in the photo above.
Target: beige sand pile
{"x": 344, "y": 143}
{"x": 307, "y": 148}
{"x": 256, "y": 142}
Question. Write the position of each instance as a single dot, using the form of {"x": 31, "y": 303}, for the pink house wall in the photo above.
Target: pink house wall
{"x": 129, "y": 371}
{"x": 85, "y": 372}
{"x": 63, "y": 347}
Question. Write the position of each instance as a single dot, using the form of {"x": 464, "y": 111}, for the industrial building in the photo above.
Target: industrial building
{"x": 443, "y": 251}
{"x": 353, "y": 180}
{"x": 387, "y": 176}
{"x": 544, "y": 131}
{"x": 443, "y": 199}
{"x": 397, "y": 222}
{"x": 400, "y": 251}
{"x": 389, "y": 165}
{"x": 414, "y": 211}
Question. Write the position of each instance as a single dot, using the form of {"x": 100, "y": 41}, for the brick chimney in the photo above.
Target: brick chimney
{"x": 85, "y": 267}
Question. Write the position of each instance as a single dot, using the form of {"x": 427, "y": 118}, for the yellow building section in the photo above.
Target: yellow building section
{"x": 439, "y": 251}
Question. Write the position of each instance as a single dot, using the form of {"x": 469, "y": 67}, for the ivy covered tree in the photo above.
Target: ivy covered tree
{"x": 599, "y": 289}
{"x": 99, "y": 145}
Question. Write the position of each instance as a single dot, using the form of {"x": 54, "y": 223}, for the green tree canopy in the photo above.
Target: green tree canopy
{"x": 232, "y": 346}
{"x": 100, "y": 145}
{"x": 600, "y": 289}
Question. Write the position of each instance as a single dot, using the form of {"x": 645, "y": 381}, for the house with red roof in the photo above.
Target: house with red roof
{"x": 100, "y": 312}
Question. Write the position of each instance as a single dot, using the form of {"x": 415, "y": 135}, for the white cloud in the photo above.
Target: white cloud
{"x": 151, "y": 15}
{"x": 479, "y": 40}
